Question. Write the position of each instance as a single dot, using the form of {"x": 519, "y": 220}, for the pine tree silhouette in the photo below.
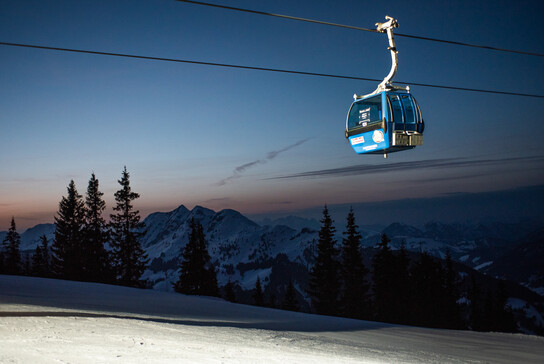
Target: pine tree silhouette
{"x": 229, "y": 292}
{"x": 258, "y": 298}
{"x": 427, "y": 277}
{"x": 97, "y": 262}
{"x": 477, "y": 320}
{"x": 503, "y": 316}
{"x": 271, "y": 300}
{"x": 12, "y": 254}
{"x": 354, "y": 297}
{"x": 198, "y": 275}
{"x": 129, "y": 258}
{"x": 46, "y": 256}
{"x": 383, "y": 281}
{"x": 402, "y": 285}
{"x": 67, "y": 247}
{"x": 324, "y": 276}
{"x": 40, "y": 259}
{"x": 290, "y": 302}
{"x": 27, "y": 269}
{"x": 452, "y": 313}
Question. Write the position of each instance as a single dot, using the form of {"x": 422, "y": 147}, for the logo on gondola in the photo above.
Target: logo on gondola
{"x": 364, "y": 115}
{"x": 377, "y": 136}
{"x": 357, "y": 140}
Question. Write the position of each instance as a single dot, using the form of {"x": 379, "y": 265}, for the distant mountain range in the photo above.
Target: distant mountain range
{"x": 508, "y": 250}
{"x": 277, "y": 251}
{"x": 284, "y": 250}
{"x": 512, "y": 205}
{"x": 234, "y": 240}
{"x": 31, "y": 237}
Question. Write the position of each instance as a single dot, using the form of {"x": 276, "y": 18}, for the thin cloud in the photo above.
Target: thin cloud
{"x": 450, "y": 178}
{"x": 238, "y": 171}
{"x": 274, "y": 154}
{"x": 242, "y": 168}
{"x": 363, "y": 169}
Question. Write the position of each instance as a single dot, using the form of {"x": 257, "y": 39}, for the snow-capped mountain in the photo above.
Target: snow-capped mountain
{"x": 32, "y": 236}
{"x": 244, "y": 250}
{"x": 241, "y": 249}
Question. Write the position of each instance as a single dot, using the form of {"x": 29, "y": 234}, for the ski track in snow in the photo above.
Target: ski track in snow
{"x": 53, "y": 321}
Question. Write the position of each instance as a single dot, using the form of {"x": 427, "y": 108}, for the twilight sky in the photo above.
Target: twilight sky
{"x": 255, "y": 141}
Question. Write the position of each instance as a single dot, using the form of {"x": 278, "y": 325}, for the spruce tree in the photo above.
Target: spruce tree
{"x": 354, "y": 297}
{"x": 210, "y": 287}
{"x": 271, "y": 300}
{"x": 229, "y": 292}
{"x": 97, "y": 260}
{"x": 258, "y": 298}
{"x": 129, "y": 258}
{"x": 27, "y": 265}
{"x": 324, "y": 280}
{"x": 46, "y": 256}
{"x": 452, "y": 315}
{"x": 12, "y": 254}
{"x": 384, "y": 281}
{"x": 503, "y": 317}
{"x": 402, "y": 285}
{"x": 197, "y": 275}
{"x": 290, "y": 301}
{"x": 37, "y": 262}
{"x": 477, "y": 320}
{"x": 427, "y": 277}
{"x": 488, "y": 312}
{"x": 67, "y": 248}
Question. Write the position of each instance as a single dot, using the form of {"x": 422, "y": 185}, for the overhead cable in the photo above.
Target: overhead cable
{"x": 256, "y": 68}
{"x": 360, "y": 28}
{"x": 280, "y": 16}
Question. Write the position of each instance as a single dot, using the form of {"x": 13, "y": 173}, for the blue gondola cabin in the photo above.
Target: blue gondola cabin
{"x": 384, "y": 122}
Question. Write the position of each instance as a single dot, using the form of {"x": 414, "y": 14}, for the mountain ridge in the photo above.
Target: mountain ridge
{"x": 244, "y": 251}
{"x": 235, "y": 239}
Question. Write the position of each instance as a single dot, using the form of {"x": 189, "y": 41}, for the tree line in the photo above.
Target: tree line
{"x": 85, "y": 246}
{"x": 395, "y": 289}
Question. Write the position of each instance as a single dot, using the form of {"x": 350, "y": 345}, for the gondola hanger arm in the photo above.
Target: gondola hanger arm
{"x": 387, "y": 83}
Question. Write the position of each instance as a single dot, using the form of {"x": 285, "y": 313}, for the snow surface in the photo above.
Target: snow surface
{"x": 483, "y": 265}
{"x": 51, "y": 321}
{"x": 530, "y": 311}
{"x": 537, "y": 290}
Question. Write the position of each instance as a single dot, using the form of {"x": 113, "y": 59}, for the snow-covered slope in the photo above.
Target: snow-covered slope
{"x": 48, "y": 321}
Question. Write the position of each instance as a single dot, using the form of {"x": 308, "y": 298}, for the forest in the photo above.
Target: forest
{"x": 396, "y": 287}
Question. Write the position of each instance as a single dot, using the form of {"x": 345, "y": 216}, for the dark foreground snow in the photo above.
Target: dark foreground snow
{"x": 52, "y": 321}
